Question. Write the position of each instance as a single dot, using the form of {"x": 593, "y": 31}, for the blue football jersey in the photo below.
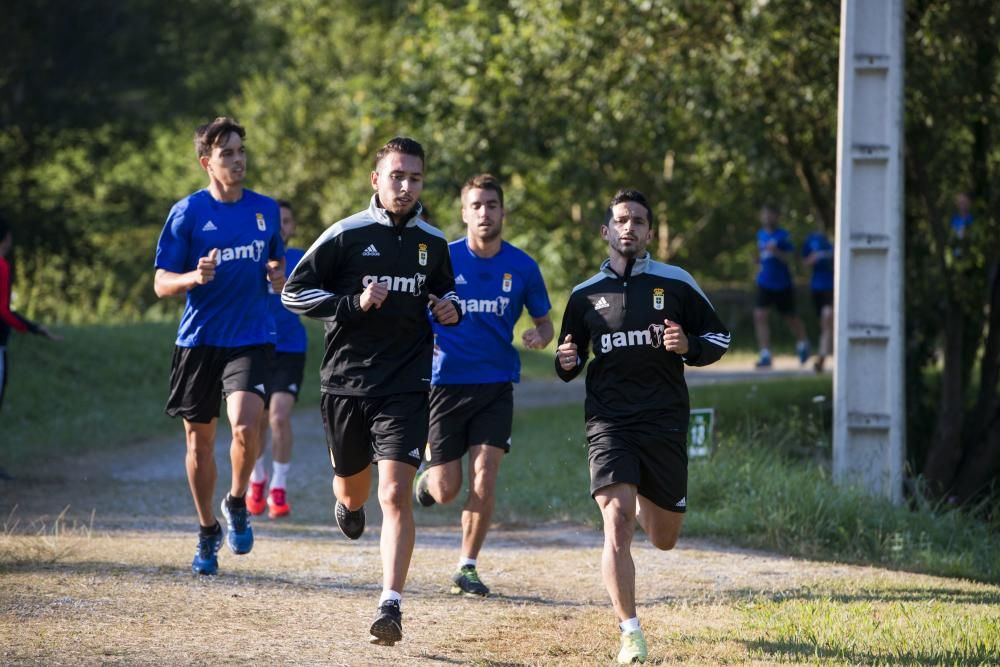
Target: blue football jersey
{"x": 492, "y": 291}
{"x": 822, "y": 276}
{"x": 774, "y": 273}
{"x": 231, "y": 310}
{"x": 291, "y": 334}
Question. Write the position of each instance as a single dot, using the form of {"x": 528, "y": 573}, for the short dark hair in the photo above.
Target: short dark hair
{"x": 210, "y": 135}
{"x": 284, "y": 203}
{"x": 403, "y": 145}
{"x": 625, "y": 195}
{"x": 770, "y": 206}
{"x": 484, "y": 182}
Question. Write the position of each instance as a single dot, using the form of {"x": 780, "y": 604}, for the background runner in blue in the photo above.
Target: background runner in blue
{"x": 291, "y": 332}
{"x": 822, "y": 276}
{"x": 246, "y": 233}
{"x": 774, "y": 274}
{"x": 493, "y": 291}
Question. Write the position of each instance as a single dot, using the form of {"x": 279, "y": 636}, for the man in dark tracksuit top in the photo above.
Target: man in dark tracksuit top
{"x": 644, "y": 321}
{"x": 372, "y": 277}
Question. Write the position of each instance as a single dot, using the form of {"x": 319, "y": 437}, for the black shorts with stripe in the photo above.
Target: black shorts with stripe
{"x": 287, "y": 371}
{"x": 200, "y": 377}
{"x": 361, "y": 430}
{"x": 463, "y": 415}
{"x": 640, "y": 452}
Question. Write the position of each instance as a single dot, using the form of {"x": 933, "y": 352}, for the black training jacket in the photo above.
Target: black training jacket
{"x": 385, "y": 350}
{"x": 621, "y": 319}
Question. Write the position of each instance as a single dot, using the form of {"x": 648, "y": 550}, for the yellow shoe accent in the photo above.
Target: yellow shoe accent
{"x": 633, "y": 648}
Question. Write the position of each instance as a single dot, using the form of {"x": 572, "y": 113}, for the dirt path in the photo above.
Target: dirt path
{"x": 114, "y": 589}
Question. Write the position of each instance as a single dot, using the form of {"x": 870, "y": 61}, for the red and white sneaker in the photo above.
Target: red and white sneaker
{"x": 277, "y": 503}
{"x": 255, "y": 498}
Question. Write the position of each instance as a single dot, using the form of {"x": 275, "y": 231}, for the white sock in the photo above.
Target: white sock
{"x": 463, "y": 561}
{"x": 390, "y": 595}
{"x": 259, "y": 473}
{"x": 280, "y": 472}
{"x": 631, "y": 625}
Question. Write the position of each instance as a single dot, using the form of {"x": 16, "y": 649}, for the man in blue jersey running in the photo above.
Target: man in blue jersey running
{"x": 475, "y": 365}
{"x": 220, "y": 247}
{"x": 817, "y": 251}
{"x": 284, "y": 381}
{"x": 775, "y": 286}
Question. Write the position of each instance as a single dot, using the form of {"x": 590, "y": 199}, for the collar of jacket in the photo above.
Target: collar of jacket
{"x": 381, "y": 216}
{"x": 640, "y": 266}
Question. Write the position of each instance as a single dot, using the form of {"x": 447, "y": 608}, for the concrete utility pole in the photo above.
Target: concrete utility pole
{"x": 869, "y": 409}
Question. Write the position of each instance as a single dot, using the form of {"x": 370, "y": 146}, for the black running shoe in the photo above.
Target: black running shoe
{"x": 420, "y": 491}
{"x": 467, "y": 583}
{"x": 352, "y": 524}
{"x": 387, "y": 629}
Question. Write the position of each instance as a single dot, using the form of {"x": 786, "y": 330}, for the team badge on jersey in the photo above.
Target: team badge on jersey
{"x": 658, "y": 298}
{"x": 422, "y": 254}
{"x": 261, "y": 223}
{"x": 508, "y": 282}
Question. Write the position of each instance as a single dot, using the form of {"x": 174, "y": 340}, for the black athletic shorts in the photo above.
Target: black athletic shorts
{"x": 287, "y": 371}
{"x": 821, "y": 299}
{"x": 782, "y": 299}
{"x": 643, "y": 453}
{"x": 361, "y": 430}
{"x": 463, "y": 415}
{"x": 200, "y": 377}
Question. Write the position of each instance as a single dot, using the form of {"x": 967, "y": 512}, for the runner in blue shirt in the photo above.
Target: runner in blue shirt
{"x": 219, "y": 247}
{"x": 775, "y": 287}
{"x": 475, "y": 364}
{"x": 818, "y": 252}
{"x": 284, "y": 381}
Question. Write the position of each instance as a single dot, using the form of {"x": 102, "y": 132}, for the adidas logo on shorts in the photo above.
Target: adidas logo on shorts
{"x": 415, "y": 453}
{"x": 371, "y": 251}
{"x": 682, "y": 502}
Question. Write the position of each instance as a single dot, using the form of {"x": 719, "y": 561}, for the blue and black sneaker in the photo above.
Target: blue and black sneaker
{"x": 206, "y": 560}
{"x": 239, "y": 537}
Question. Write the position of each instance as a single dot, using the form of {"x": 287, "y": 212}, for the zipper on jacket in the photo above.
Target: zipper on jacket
{"x": 628, "y": 274}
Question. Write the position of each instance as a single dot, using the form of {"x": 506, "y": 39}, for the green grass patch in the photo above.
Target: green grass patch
{"x": 100, "y": 387}
{"x": 863, "y": 625}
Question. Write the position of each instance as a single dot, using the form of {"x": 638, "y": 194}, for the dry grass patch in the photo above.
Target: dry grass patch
{"x": 126, "y": 598}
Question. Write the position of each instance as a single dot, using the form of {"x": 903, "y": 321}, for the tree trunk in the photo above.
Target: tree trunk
{"x": 981, "y": 461}
{"x": 980, "y": 465}
{"x": 945, "y": 452}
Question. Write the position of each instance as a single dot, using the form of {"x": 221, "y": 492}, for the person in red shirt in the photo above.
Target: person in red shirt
{"x": 8, "y": 318}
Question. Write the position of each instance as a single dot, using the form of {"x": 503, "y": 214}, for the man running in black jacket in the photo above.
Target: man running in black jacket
{"x": 644, "y": 320}
{"x": 372, "y": 278}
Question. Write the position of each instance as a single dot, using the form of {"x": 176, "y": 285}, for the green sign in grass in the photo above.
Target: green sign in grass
{"x": 700, "y": 432}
